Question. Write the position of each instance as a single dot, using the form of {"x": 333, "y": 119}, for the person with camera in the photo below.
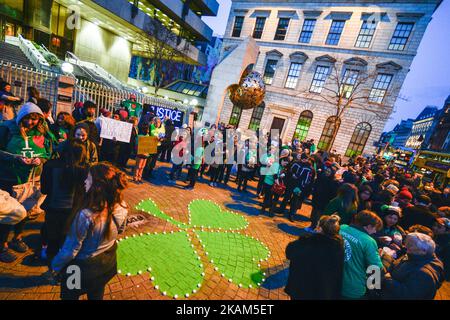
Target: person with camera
{"x": 8, "y": 102}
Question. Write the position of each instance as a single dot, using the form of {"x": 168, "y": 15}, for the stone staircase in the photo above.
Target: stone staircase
{"x": 13, "y": 54}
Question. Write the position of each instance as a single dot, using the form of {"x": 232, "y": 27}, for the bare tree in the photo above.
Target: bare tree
{"x": 348, "y": 86}
{"x": 165, "y": 48}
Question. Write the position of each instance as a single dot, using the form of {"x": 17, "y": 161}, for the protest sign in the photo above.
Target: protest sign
{"x": 147, "y": 145}
{"x": 116, "y": 130}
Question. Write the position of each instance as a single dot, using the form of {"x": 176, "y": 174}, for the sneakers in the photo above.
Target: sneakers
{"x": 18, "y": 246}
{"x": 7, "y": 256}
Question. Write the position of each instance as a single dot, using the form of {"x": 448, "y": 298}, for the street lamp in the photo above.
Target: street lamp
{"x": 194, "y": 102}
{"x": 67, "y": 67}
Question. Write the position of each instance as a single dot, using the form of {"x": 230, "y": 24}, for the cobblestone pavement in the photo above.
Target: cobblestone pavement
{"x": 22, "y": 279}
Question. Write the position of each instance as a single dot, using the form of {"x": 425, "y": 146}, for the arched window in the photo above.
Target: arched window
{"x": 235, "y": 116}
{"x": 303, "y": 124}
{"x": 328, "y": 132}
{"x": 257, "y": 115}
{"x": 359, "y": 139}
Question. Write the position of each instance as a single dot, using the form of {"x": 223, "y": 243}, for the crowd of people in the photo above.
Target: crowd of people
{"x": 365, "y": 212}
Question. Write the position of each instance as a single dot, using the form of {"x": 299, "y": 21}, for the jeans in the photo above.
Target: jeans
{"x": 5, "y": 229}
{"x": 270, "y": 199}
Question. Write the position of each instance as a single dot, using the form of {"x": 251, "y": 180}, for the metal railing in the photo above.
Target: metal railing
{"x": 47, "y": 83}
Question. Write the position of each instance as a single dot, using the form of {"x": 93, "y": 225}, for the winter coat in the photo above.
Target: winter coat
{"x": 324, "y": 189}
{"x": 417, "y": 215}
{"x": 316, "y": 266}
{"x": 414, "y": 277}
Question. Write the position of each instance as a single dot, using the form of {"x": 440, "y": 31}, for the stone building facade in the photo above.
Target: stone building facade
{"x": 299, "y": 43}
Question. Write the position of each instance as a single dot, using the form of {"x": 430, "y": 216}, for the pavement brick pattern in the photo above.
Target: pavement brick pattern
{"x": 22, "y": 279}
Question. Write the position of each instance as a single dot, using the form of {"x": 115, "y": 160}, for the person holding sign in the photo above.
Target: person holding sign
{"x": 142, "y": 153}
{"x": 157, "y": 129}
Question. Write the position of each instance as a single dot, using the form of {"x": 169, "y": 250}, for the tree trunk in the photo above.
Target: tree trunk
{"x": 335, "y": 132}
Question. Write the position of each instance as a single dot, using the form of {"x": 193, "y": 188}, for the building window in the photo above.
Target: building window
{"x": 269, "y": 72}
{"x": 366, "y": 34}
{"x": 359, "y": 139}
{"x": 401, "y": 36}
{"x": 283, "y": 25}
{"x": 259, "y": 27}
{"x": 380, "y": 87}
{"x": 319, "y": 79}
{"x": 303, "y": 124}
{"x": 337, "y": 26}
{"x": 257, "y": 115}
{"x": 293, "y": 75}
{"x": 328, "y": 133}
{"x": 307, "y": 30}
{"x": 235, "y": 117}
{"x": 237, "y": 29}
{"x": 348, "y": 82}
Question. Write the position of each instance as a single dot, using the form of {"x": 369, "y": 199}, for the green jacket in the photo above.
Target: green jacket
{"x": 35, "y": 146}
{"x": 361, "y": 251}
{"x": 336, "y": 206}
{"x": 134, "y": 108}
{"x": 275, "y": 168}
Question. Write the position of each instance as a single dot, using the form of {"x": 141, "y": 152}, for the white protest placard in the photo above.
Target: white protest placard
{"x": 116, "y": 130}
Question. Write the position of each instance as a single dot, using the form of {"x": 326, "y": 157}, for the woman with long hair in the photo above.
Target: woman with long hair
{"x": 63, "y": 127}
{"x": 345, "y": 205}
{"x": 90, "y": 244}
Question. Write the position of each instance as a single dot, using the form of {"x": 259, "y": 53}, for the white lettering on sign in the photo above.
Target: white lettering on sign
{"x": 175, "y": 115}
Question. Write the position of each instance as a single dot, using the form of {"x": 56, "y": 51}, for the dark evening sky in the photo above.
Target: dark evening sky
{"x": 428, "y": 82}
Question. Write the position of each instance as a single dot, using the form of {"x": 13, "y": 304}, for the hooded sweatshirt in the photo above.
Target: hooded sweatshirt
{"x": 34, "y": 145}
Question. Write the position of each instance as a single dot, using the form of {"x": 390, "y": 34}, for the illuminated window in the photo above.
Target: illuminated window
{"x": 380, "y": 87}
{"x": 269, "y": 71}
{"x": 303, "y": 125}
{"x": 235, "y": 116}
{"x": 359, "y": 139}
{"x": 348, "y": 82}
{"x": 257, "y": 115}
{"x": 328, "y": 132}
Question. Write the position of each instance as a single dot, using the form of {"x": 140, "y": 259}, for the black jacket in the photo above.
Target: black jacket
{"x": 414, "y": 277}
{"x": 316, "y": 267}
{"x": 417, "y": 215}
{"x": 324, "y": 189}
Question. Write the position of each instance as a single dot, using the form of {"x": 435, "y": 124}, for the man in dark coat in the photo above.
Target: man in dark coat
{"x": 418, "y": 274}
{"x": 420, "y": 213}
{"x": 324, "y": 189}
